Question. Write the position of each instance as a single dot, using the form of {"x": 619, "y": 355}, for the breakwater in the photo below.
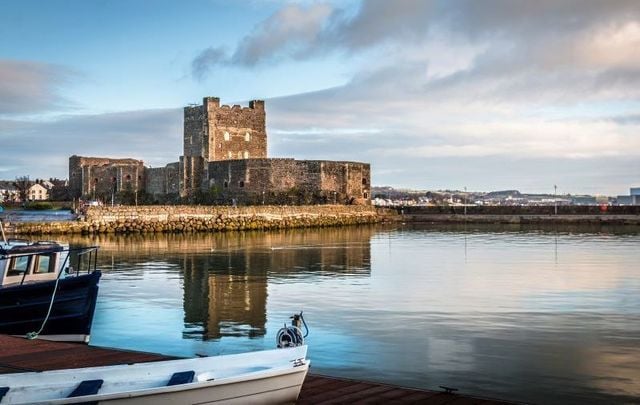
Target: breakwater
{"x": 178, "y": 219}
{"x": 606, "y": 215}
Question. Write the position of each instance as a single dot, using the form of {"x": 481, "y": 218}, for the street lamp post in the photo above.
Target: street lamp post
{"x": 555, "y": 200}
{"x": 465, "y": 200}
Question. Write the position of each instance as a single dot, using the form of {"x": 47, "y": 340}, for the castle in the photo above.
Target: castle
{"x": 225, "y": 161}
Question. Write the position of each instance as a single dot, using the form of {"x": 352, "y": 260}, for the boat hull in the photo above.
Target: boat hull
{"x": 279, "y": 389}
{"x": 23, "y": 308}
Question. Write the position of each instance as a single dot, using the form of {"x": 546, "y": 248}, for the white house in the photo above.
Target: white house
{"x": 38, "y": 192}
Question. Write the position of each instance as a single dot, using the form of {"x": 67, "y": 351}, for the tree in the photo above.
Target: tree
{"x": 23, "y": 184}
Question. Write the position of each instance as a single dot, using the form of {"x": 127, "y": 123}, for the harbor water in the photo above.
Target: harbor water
{"x": 528, "y": 314}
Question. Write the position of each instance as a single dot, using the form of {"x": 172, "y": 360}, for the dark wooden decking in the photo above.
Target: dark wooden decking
{"x": 19, "y": 355}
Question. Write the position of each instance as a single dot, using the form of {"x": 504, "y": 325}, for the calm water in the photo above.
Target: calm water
{"x": 546, "y": 316}
{"x": 20, "y": 215}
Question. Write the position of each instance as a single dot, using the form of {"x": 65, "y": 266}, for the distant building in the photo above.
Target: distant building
{"x": 624, "y": 200}
{"x": 583, "y": 200}
{"x": 635, "y": 195}
{"x": 37, "y": 192}
{"x": 632, "y": 199}
{"x": 8, "y": 192}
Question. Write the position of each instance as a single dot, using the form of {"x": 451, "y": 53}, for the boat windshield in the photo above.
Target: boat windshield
{"x": 41, "y": 262}
{"x": 18, "y": 265}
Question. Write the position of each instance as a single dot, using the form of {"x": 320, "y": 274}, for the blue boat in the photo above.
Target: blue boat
{"x": 47, "y": 290}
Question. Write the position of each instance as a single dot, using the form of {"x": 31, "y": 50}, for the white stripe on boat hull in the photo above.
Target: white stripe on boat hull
{"x": 63, "y": 338}
{"x": 281, "y": 389}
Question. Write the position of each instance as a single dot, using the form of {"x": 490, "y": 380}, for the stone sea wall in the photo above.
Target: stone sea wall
{"x": 176, "y": 219}
{"x": 610, "y": 215}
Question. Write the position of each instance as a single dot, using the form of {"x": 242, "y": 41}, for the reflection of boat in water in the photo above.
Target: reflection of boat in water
{"x": 41, "y": 295}
{"x": 266, "y": 377}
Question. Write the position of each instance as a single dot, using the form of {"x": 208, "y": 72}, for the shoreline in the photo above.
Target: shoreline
{"x": 188, "y": 219}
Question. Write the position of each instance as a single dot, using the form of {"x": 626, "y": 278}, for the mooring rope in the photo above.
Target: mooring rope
{"x": 33, "y": 335}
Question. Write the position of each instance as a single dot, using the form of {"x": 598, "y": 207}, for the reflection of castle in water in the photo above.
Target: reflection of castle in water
{"x": 226, "y": 275}
{"x": 226, "y": 294}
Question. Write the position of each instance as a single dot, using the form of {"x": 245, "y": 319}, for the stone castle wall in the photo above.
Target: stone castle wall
{"x": 289, "y": 181}
{"x": 163, "y": 180}
{"x": 93, "y": 177}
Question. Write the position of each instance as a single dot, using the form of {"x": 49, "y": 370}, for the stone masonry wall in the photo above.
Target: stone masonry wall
{"x": 351, "y": 180}
{"x": 289, "y": 181}
{"x": 150, "y": 219}
{"x": 163, "y": 180}
{"x": 92, "y": 177}
{"x": 234, "y": 132}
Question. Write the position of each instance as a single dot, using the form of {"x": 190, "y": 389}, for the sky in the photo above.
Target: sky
{"x": 434, "y": 94}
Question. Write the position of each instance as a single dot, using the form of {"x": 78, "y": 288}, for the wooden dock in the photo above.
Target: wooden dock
{"x": 20, "y": 355}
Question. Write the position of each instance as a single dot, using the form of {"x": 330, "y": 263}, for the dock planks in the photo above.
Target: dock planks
{"x": 20, "y": 355}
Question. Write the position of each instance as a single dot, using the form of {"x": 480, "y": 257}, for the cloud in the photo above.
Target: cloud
{"x": 297, "y": 31}
{"x": 208, "y": 58}
{"x": 42, "y": 148}
{"x": 287, "y": 32}
{"x": 31, "y": 87}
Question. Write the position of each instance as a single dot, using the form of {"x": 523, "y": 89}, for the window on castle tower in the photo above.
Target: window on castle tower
{"x": 226, "y": 135}
{"x": 247, "y": 137}
{"x": 230, "y": 155}
{"x": 239, "y": 155}
{"x": 246, "y": 154}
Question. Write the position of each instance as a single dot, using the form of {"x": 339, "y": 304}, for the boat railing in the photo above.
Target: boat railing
{"x": 91, "y": 252}
{"x": 17, "y": 240}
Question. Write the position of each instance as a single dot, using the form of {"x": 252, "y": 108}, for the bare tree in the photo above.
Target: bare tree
{"x": 23, "y": 183}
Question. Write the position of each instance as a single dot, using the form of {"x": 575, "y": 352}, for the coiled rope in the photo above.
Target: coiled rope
{"x": 291, "y": 335}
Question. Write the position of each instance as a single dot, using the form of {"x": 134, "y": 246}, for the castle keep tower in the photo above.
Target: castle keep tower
{"x": 213, "y": 133}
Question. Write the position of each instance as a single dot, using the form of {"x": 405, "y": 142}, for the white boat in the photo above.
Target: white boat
{"x": 266, "y": 377}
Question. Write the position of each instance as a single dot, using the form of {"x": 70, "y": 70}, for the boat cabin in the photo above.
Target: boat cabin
{"x": 26, "y": 262}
